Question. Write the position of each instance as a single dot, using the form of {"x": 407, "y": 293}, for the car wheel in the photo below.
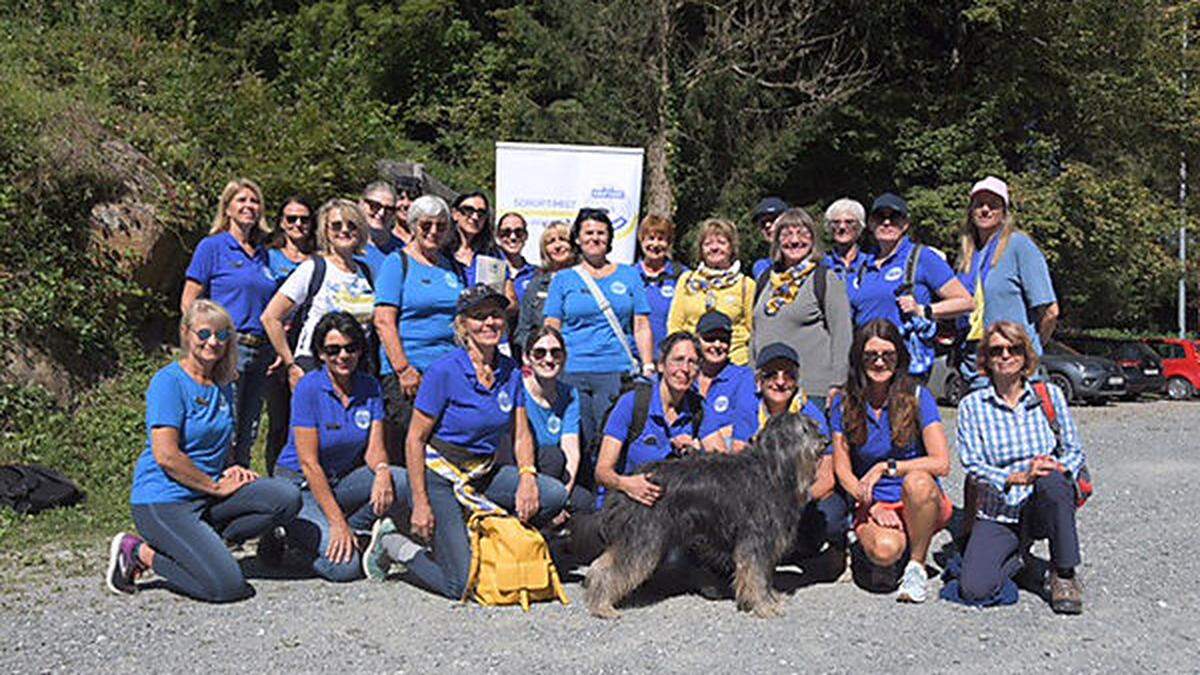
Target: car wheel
{"x": 1063, "y": 382}
{"x": 954, "y": 389}
{"x": 1179, "y": 389}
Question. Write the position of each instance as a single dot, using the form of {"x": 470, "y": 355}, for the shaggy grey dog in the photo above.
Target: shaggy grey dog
{"x": 738, "y": 514}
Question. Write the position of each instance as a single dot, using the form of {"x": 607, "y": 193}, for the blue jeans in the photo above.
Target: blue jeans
{"x": 309, "y": 532}
{"x": 445, "y": 570}
{"x": 248, "y": 391}
{"x": 188, "y": 538}
{"x": 597, "y": 393}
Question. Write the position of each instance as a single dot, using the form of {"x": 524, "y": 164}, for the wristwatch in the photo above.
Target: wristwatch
{"x": 891, "y": 468}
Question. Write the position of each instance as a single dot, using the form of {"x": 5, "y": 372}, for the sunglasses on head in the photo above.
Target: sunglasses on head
{"x": 206, "y": 334}
{"x": 471, "y": 211}
{"x": 293, "y": 219}
{"x": 375, "y": 206}
{"x": 887, "y": 358}
{"x": 334, "y": 350}
{"x": 1005, "y": 350}
{"x": 539, "y": 353}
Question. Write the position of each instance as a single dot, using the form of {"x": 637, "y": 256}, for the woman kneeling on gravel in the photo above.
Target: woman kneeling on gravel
{"x": 186, "y": 503}
{"x": 1024, "y": 474}
{"x": 337, "y": 423}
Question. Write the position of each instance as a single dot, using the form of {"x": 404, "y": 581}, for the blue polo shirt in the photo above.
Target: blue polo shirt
{"x": 281, "y": 266}
{"x": 760, "y": 266}
{"x": 732, "y": 401}
{"x": 879, "y": 448}
{"x": 342, "y": 431}
{"x": 592, "y": 347}
{"x": 243, "y": 284}
{"x": 873, "y": 292}
{"x": 1016, "y": 286}
{"x": 468, "y": 414}
{"x": 203, "y": 414}
{"x": 426, "y": 302}
{"x": 834, "y": 262}
{"x": 374, "y": 257}
{"x": 521, "y": 279}
{"x": 660, "y": 291}
{"x": 655, "y": 441}
{"x": 549, "y": 425}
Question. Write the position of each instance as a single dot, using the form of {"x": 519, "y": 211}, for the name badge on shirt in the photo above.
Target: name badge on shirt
{"x": 201, "y": 401}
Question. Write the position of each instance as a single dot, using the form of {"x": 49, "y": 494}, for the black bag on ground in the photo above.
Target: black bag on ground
{"x": 33, "y": 488}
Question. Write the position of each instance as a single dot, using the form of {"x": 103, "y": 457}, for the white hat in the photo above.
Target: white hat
{"x": 993, "y": 185}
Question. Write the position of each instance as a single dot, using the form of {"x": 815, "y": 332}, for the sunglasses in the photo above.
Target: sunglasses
{"x": 889, "y": 217}
{"x": 410, "y": 195}
{"x": 206, "y": 334}
{"x": 887, "y": 358}
{"x": 292, "y": 219}
{"x": 340, "y": 225}
{"x": 333, "y": 350}
{"x": 492, "y": 312}
{"x": 717, "y": 336}
{"x": 507, "y": 232}
{"x": 995, "y": 351}
{"x": 471, "y": 211}
{"x": 539, "y": 353}
{"x": 375, "y": 206}
{"x": 772, "y": 373}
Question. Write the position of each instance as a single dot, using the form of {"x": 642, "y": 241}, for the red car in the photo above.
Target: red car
{"x": 1181, "y": 366}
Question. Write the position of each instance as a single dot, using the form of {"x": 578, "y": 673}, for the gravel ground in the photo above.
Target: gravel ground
{"x": 1143, "y": 456}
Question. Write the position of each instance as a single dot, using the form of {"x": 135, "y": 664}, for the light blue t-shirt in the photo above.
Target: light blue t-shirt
{"x": 592, "y": 347}
{"x": 549, "y": 425}
{"x": 1016, "y": 286}
{"x": 879, "y": 448}
{"x": 426, "y": 302}
{"x": 203, "y": 414}
{"x": 281, "y": 265}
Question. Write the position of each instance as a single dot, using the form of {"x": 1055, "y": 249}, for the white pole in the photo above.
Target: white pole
{"x": 1183, "y": 205}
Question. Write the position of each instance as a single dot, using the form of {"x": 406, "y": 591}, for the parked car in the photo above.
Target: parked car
{"x": 1142, "y": 366}
{"x": 945, "y": 383}
{"x": 1181, "y": 365}
{"x": 1083, "y": 377}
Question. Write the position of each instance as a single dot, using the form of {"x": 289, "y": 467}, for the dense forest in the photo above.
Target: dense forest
{"x": 120, "y": 120}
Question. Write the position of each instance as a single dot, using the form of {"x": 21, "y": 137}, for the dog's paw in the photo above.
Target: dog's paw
{"x": 768, "y": 610}
{"x": 604, "y": 612}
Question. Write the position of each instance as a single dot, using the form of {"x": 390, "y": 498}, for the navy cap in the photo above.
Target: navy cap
{"x": 711, "y": 321}
{"x": 775, "y": 350}
{"x": 771, "y": 206}
{"x": 889, "y": 200}
{"x": 477, "y": 296}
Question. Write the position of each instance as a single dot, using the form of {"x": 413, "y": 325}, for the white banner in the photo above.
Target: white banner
{"x": 545, "y": 183}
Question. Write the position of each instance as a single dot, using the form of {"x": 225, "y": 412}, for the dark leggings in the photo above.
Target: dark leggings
{"x": 993, "y": 552}
{"x": 279, "y": 410}
{"x": 189, "y": 537}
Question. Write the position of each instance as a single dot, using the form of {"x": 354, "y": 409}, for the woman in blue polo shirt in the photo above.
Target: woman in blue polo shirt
{"x": 1005, "y": 271}
{"x": 670, "y": 426}
{"x": 660, "y": 274}
{"x": 730, "y": 405}
{"x": 336, "y": 454}
{"x": 232, "y": 268}
{"x": 511, "y": 233}
{"x": 187, "y": 499}
{"x": 889, "y": 448}
{"x": 599, "y": 356}
{"x": 880, "y": 291}
{"x": 415, "y": 296}
{"x": 470, "y": 400}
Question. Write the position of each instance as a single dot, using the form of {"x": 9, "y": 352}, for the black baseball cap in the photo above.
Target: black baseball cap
{"x": 771, "y": 206}
{"x": 478, "y": 296}
{"x": 712, "y": 321}
{"x": 890, "y": 200}
{"x": 775, "y": 350}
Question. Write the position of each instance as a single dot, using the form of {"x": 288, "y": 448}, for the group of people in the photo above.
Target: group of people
{"x": 416, "y": 367}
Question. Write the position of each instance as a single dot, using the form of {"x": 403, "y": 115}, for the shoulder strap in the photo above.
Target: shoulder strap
{"x": 1047, "y": 404}
{"x": 910, "y": 265}
{"x": 641, "y": 410}
{"x": 366, "y": 272}
{"x": 697, "y": 405}
{"x": 760, "y": 285}
{"x": 314, "y": 287}
{"x": 607, "y": 310}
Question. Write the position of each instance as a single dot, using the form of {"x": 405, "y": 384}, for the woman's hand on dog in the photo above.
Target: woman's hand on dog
{"x": 422, "y": 520}
{"x": 640, "y": 489}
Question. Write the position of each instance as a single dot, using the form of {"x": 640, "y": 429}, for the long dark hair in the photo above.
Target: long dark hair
{"x": 484, "y": 243}
{"x": 901, "y": 399}
{"x": 279, "y": 237}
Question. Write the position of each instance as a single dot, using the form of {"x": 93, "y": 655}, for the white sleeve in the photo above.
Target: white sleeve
{"x": 295, "y": 287}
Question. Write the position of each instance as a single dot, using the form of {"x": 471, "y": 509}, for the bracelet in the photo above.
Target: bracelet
{"x": 527, "y": 471}
{"x": 380, "y": 465}
{"x": 928, "y": 311}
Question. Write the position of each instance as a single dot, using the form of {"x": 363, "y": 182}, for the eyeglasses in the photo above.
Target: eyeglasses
{"x": 765, "y": 221}
{"x": 683, "y": 362}
{"x": 293, "y": 219}
{"x": 339, "y": 225}
{"x": 996, "y": 351}
{"x": 472, "y": 212}
{"x": 717, "y": 336}
{"x": 506, "y": 232}
{"x": 843, "y": 223}
{"x": 375, "y": 206}
{"x": 206, "y": 334}
{"x": 887, "y": 358}
{"x": 539, "y": 353}
{"x": 333, "y": 350}
{"x": 424, "y": 225}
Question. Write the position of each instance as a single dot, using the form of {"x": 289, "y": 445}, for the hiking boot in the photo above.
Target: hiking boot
{"x": 1066, "y": 595}
{"x": 271, "y": 547}
{"x": 123, "y": 564}
{"x": 914, "y": 584}
{"x": 375, "y": 560}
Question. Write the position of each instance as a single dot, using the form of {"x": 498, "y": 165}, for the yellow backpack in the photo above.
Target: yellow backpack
{"x": 510, "y": 563}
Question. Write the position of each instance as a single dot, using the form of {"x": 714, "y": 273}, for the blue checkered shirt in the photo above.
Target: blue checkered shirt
{"x": 995, "y": 440}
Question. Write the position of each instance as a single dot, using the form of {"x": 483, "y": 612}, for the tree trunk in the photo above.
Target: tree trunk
{"x": 660, "y": 191}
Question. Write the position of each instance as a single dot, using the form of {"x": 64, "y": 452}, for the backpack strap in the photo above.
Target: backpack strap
{"x": 314, "y": 287}
{"x": 910, "y": 266}
{"x": 366, "y": 272}
{"x": 1047, "y": 405}
{"x": 641, "y": 410}
{"x": 820, "y": 287}
{"x": 760, "y": 285}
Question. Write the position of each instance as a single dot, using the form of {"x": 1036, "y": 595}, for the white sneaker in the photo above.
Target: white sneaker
{"x": 913, "y": 584}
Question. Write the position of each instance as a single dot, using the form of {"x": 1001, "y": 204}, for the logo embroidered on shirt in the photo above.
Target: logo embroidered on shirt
{"x": 619, "y": 288}
{"x": 504, "y": 401}
{"x": 893, "y": 274}
{"x": 667, "y": 291}
{"x": 721, "y": 404}
{"x": 553, "y": 424}
{"x": 362, "y": 418}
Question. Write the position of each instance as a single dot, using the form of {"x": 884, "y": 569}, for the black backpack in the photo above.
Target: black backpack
{"x": 34, "y": 488}
{"x": 643, "y": 391}
{"x": 820, "y": 279}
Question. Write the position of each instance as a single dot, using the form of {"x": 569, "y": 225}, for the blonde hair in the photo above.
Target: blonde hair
{"x": 720, "y": 228}
{"x": 1014, "y": 333}
{"x": 655, "y": 223}
{"x": 796, "y": 217}
{"x": 349, "y": 211}
{"x": 221, "y": 223}
{"x": 203, "y": 309}
{"x": 561, "y": 227}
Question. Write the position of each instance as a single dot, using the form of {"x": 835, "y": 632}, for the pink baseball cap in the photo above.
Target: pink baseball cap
{"x": 993, "y": 185}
